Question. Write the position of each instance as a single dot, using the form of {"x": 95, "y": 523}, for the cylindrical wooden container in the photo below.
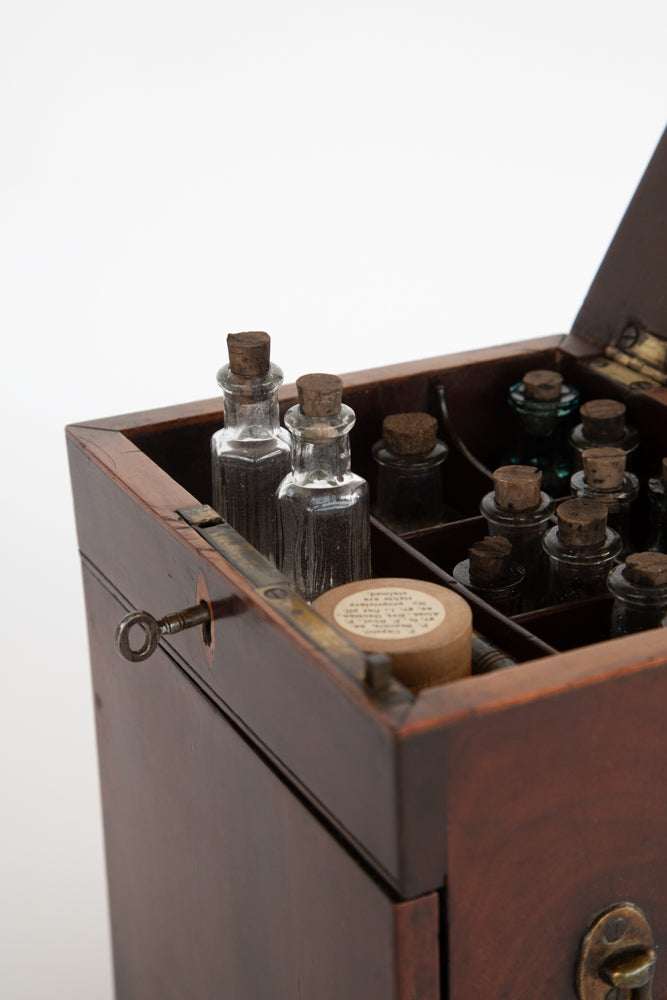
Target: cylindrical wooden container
{"x": 426, "y": 629}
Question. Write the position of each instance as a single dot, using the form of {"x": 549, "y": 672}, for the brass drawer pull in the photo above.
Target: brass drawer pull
{"x": 617, "y": 958}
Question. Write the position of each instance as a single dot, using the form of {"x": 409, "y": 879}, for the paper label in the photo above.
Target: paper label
{"x": 389, "y": 613}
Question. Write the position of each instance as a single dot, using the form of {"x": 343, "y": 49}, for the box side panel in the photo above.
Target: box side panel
{"x": 556, "y": 809}
{"x": 221, "y": 881}
{"x": 319, "y": 727}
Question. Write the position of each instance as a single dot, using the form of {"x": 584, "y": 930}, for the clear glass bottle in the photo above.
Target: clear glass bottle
{"x": 603, "y": 423}
{"x": 519, "y": 511}
{"x": 657, "y": 496}
{"x": 545, "y": 411}
{"x": 489, "y": 572}
{"x": 409, "y": 462}
{"x": 639, "y": 587}
{"x": 604, "y": 478}
{"x": 251, "y": 453}
{"x": 581, "y": 549}
{"x": 323, "y": 507}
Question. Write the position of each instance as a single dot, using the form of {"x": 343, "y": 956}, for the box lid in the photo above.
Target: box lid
{"x": 627, "y": 301}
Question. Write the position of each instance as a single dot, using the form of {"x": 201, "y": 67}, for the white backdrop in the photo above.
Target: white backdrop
{"x": 369, "y": 182}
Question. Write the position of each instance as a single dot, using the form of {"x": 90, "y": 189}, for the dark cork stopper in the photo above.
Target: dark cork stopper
{"x": 582, "y": 523}
{"x": 409, "y": 433}
{"x": 489, "y": 559}
{"x": 603, "y": 419}
{"x": 517, "y": 487}
{"x": 249, "y": 353}
{"x": 646, "y": 569}
{"x": 542, "y": 384}
{"x": 604, "y": 467}
{"x": 320, "y": 395}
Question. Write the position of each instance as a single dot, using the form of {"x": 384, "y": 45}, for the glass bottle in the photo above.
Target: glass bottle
{"x": 490, "y": 574}
{"x": 604, "y": 478}
{"x": 581, "y": 549}
{"x": 519, "y": 511}
{"x": 409, "y": 462}
{"x": 545, "y": 411}
{"x": 657, "y": 496}
{"x": 603, "y": 423}
{"x": 251, "y": 453}
{"x": 639, "y": 587}
{"x": 323, "y": 507}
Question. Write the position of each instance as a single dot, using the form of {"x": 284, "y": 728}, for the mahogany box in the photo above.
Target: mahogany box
{"x": 282, "y": 819}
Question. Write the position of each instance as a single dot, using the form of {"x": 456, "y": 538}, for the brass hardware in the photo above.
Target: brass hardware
{"x": 617, "y": 957}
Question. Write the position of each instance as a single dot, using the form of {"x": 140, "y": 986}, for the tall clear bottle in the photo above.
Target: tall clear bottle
{"x": 250, "y": 455}
{"x": 545, "y": 409}
{"x": 581, "y": 549}
{"x": 323, "y": 507}
{"x": 604, "y": 478}
{"x": 657, "y": 496}
{"x": 639, "y": 587}
{"x": 409, "y": 461}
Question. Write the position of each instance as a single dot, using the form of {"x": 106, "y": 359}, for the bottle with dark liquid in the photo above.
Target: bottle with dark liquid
{"x": 581, "y": 549}
{"x": 409, "y": 461}
{"x": 639, "y": 587}
{"x": 604, "y": 478}
{"x": 603, "y": 423}
{"x": 323, "y": 507}
{"x": 520, "y": 511}
{"x": 251, "y": 453}
{"x": 657, "y": 496}
{"x": 489, "y": 573}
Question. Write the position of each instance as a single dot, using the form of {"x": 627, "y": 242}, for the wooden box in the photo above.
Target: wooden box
{"x": 276, "y": 824}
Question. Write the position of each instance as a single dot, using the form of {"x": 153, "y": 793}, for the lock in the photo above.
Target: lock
{"x": 617, "y": 956}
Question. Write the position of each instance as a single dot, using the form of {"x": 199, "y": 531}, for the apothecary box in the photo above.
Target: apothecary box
{"x": 280, "y": 821}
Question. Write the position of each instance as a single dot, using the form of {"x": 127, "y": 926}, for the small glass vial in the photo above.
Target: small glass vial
{"x": 323, "y": 507}
{"x": 604, "y": 478}
{"x": 490, "y": 574}
{"x": 657, "y": 496}
{"x": 409, "y": 462}
{"x": 545, "y": 409}
{"x": 251, "y": 453}
{"x": 581, "y": 549}
{"x": 639, "y": 587}
{"x": 603, "y": 423}
{"x": 519, "y": 511}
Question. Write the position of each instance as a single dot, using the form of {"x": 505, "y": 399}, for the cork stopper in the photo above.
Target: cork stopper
{"x": 320, "y": 395}
{"x": 409, "y": 433}
{"x": 604, "y": 467}
{"x": 517, "y": 487}
{"x": 603, "y": 419}
{"x": 542, "y": 384}
{"x": 582, "y": 523}
{"x": 249, "y": 353}
{"x": 646, "y": 569}
{"x": 489, "y": 559}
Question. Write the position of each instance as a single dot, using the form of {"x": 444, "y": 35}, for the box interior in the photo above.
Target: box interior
{"x": 476, "y": 398}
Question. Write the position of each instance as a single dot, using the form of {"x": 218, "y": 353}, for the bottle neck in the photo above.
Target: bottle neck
{"x": 320, "y": 447}
{"x": 251, "y": 403}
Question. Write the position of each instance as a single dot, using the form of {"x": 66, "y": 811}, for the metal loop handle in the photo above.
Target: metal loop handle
{"x": 153, "y": 629}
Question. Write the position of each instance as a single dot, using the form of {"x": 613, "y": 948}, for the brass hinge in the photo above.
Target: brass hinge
{"x": 639, "y": 360}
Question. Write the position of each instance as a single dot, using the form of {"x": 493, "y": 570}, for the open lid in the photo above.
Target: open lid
{"x": 627, "y": 302}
